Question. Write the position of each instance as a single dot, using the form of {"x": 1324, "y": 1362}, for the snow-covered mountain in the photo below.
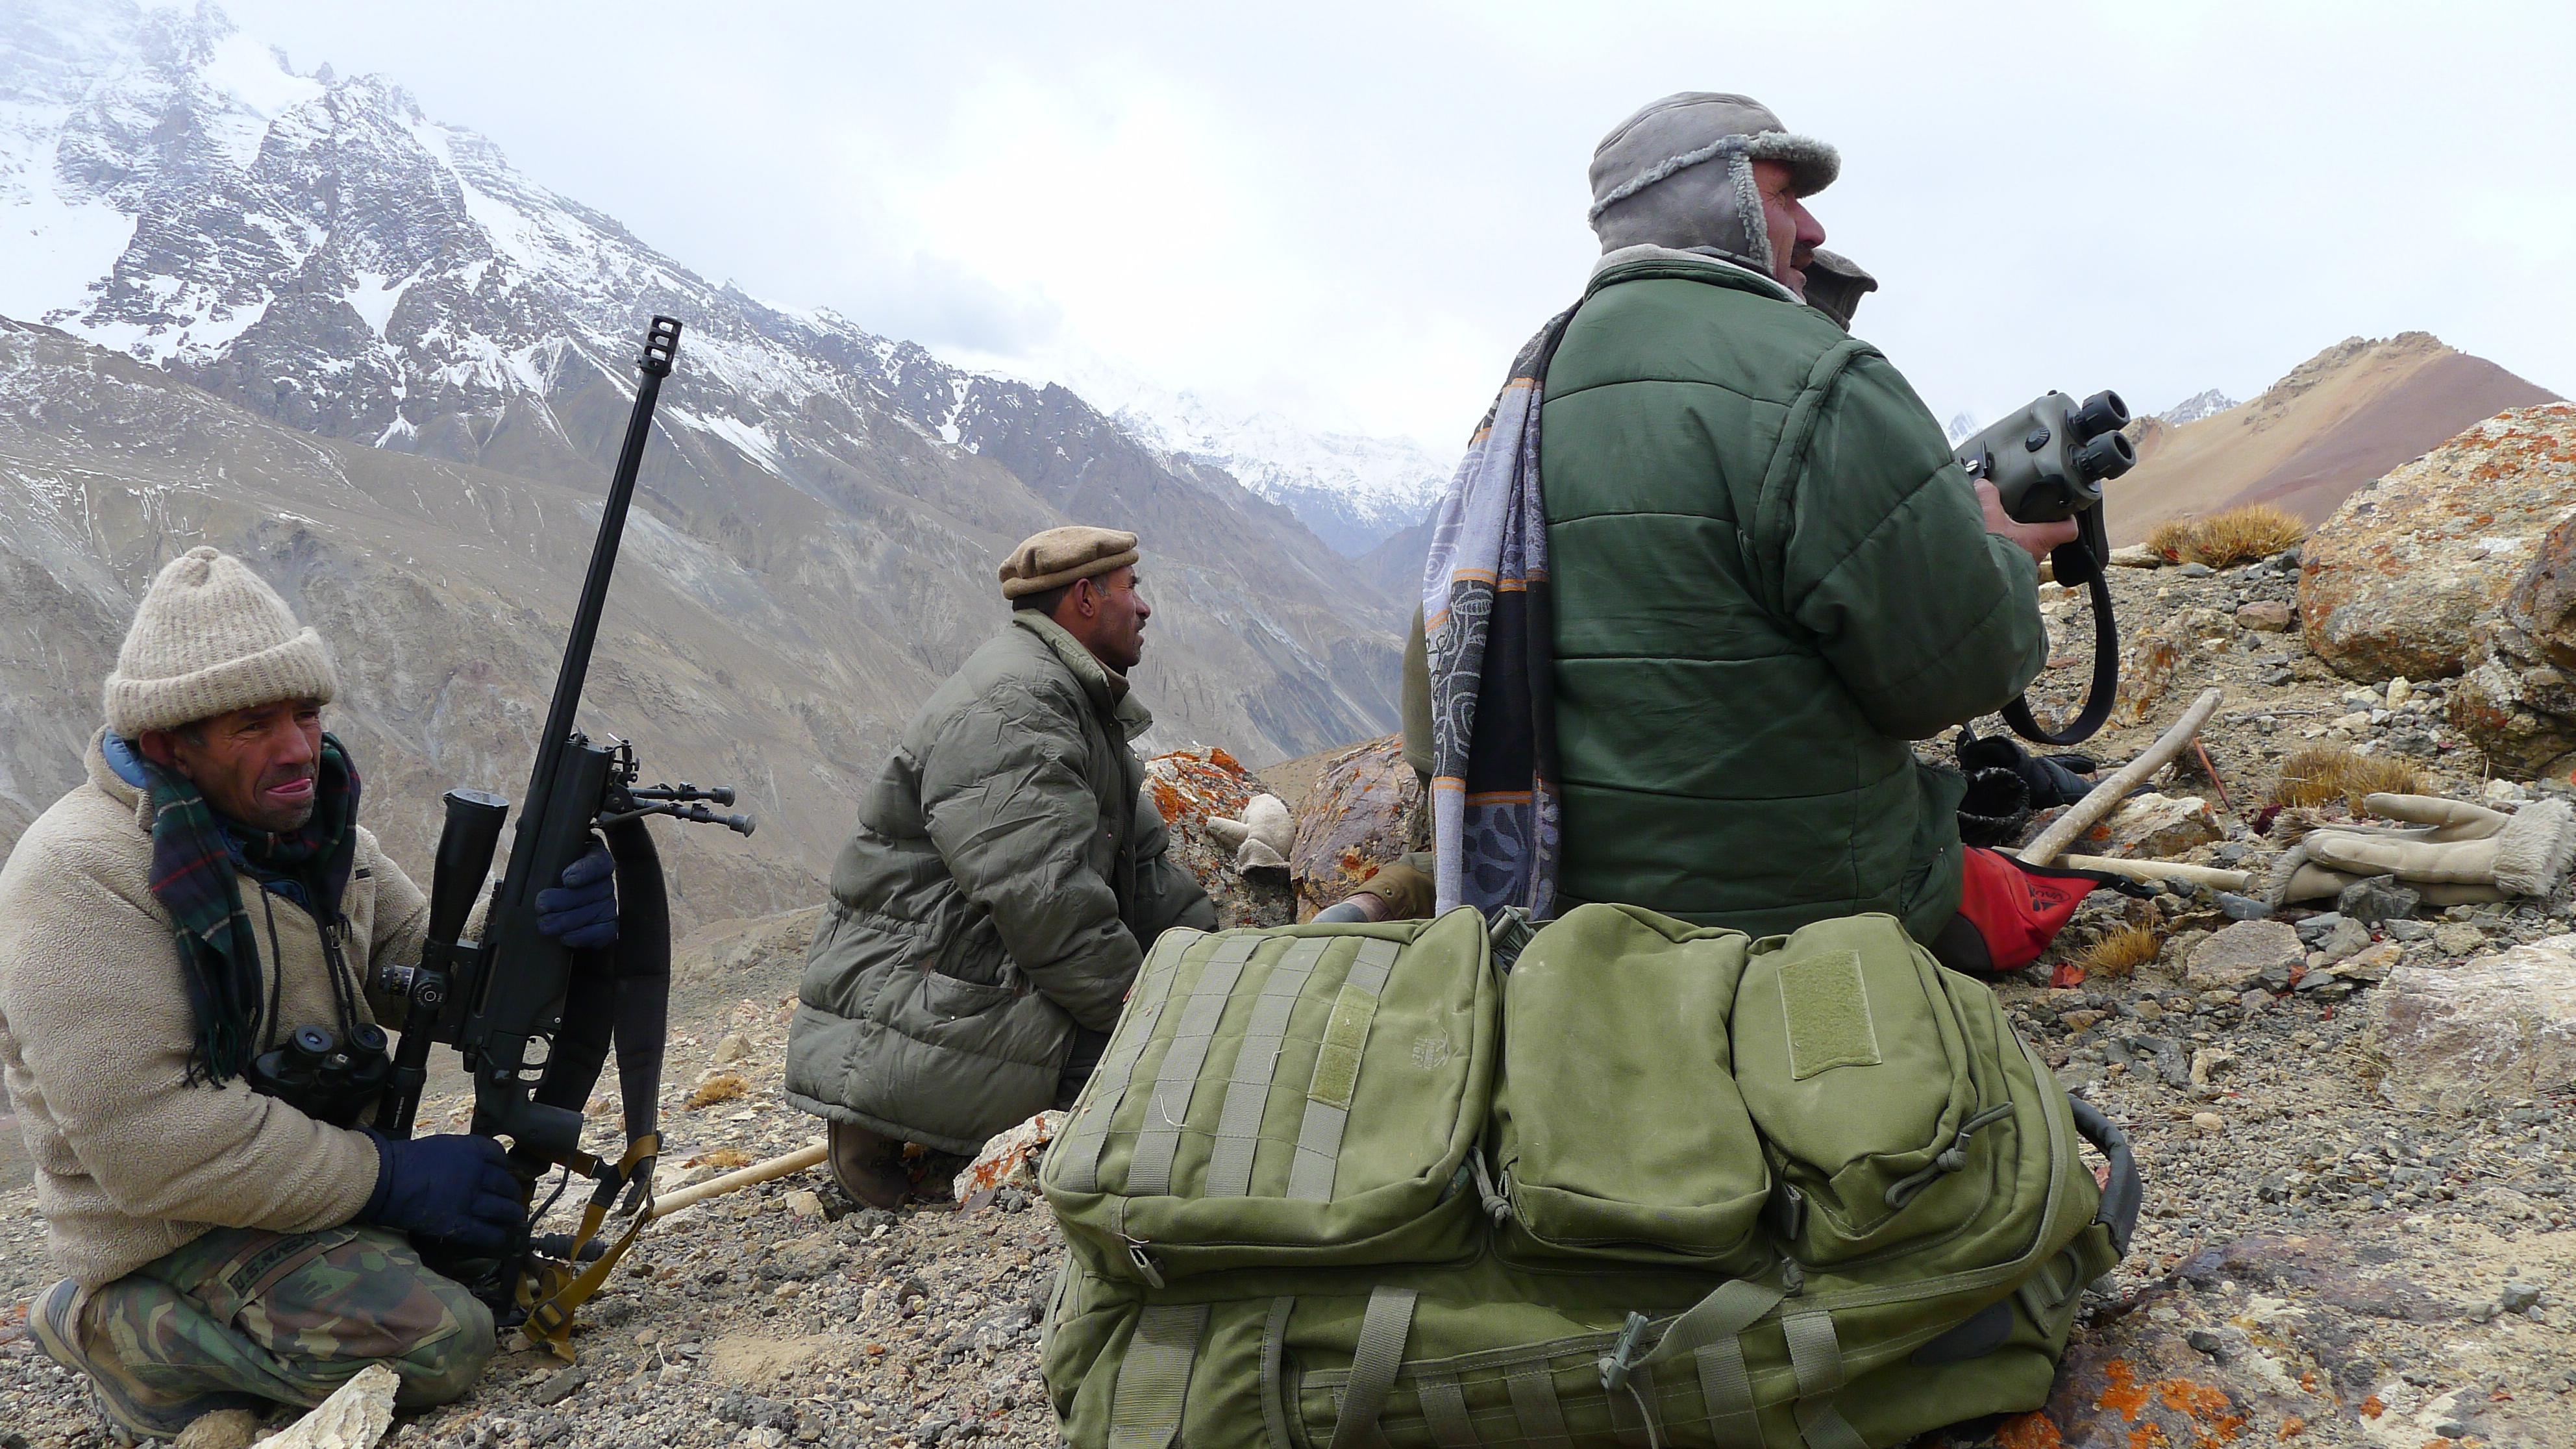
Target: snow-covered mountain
{"x": 2199, "y": 405}
{"x": 1354, "y": 490}
{"x": 317, "y": 250}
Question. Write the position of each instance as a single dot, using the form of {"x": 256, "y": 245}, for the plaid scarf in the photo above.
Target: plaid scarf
{"x": 195, "y": 853}
{"x": 1497, "y": 836}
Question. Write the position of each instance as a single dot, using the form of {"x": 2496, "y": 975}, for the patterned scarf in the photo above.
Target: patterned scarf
{"x": 1495, "y": 826}
{"x": 195, "y": 853}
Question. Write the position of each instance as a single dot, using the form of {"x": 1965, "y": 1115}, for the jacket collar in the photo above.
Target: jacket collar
{"x": 108, "y": 782}
{"x": 1647, "y": 260}
{"x": 1108, "y": 691}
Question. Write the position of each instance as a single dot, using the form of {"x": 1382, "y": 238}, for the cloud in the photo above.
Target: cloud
{"x": 1359, "y": 211}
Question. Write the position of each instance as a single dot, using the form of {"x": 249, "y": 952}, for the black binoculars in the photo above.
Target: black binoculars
{"x": 323, "y": 1077}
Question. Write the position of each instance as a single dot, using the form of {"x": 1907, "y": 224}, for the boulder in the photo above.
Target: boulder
{"x": 2154, "y": 827}
{"x": 2498, "y": 1028}
{"x": 1010, "y": 1159}
{"x": 2236, "y": 958}
{"x": 1365, "y": 810}
{"x": 2394, "y": 580}
{"x": 2518, "y": 701}
{"x": 1194, "y": 789}
{"x": 354, "y": 1417}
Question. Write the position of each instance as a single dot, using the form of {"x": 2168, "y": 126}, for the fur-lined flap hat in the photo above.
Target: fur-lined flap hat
{"x": 1059, "y": 556}
{"x": 1652, "y": 183}
{"x": 211, "y": 637}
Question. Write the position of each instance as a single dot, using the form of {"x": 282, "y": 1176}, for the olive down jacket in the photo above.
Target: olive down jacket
{"x": 1002, "y": 887}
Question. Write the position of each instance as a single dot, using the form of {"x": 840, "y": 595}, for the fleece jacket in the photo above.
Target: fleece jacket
{"x": 132, "y": 1160}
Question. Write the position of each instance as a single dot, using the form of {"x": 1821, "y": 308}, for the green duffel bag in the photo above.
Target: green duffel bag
{"x": 1809, "y": 1190}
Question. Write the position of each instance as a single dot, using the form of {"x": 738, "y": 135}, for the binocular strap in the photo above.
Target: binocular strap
{"x": 2093, "y": 549}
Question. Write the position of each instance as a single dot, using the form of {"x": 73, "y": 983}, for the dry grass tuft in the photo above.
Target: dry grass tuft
{"x": 722, "y": 1087}
{"x": 2224, "y": 540}
{"x": 2169, "y": 538}
{"x": 2120, "y": 953}
{"x": 724, "y": 1157}
{"x": 2331, "y": 774}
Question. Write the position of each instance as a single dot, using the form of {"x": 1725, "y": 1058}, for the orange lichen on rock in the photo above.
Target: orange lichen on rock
{"x": 2121, "y": 1391}
{"x": 2029, "y": 1431}
{"x": 2293, "y": 1426}
{"x": 2372, "y": 1408}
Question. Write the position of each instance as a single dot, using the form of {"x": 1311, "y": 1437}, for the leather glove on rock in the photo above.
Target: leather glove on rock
{"x": 457, "y": 1188}
{"x": 581, "y": 912}
{"x": 1259, "y": 840}
{"x": 2451, "y": 851}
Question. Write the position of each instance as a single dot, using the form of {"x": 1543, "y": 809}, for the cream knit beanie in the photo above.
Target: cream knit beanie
{"x": 209, "y": 638}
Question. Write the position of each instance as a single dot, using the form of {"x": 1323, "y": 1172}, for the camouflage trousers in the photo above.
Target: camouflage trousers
{"x": 244, "y": 1318}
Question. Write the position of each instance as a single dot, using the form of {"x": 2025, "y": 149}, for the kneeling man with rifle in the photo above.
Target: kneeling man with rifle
{"x": 193, "y": 1035}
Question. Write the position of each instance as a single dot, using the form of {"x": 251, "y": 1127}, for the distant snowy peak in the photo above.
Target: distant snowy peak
{"x": 1353, "y": 491}
{"x": 2197, "y": 406}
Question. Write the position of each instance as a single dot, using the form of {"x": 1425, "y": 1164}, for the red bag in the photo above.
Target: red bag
{"x": 2009, "y": 912}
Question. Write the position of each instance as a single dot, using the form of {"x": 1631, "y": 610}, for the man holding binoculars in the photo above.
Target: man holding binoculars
{"x": 192, "y": 1040}
{"x": 1768, "y": 572}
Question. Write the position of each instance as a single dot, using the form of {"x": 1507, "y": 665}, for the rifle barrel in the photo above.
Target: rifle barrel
{"x": 661, "y": 343}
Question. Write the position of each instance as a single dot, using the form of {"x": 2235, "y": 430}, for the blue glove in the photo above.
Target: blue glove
{"x": 582, "y": 911}
{"x": 458, "y": 1188}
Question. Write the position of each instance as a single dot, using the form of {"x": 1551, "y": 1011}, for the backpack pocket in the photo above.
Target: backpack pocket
{"x": 1858, "y": 1073}
{"x": 1620, "y": 1133}
{"x": 1301, "y": 1096}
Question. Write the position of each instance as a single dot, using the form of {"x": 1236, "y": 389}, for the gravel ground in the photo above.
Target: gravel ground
{"x": 2314, "y": 1266}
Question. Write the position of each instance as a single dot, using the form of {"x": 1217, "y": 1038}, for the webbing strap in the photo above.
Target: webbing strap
{"x": 1383, "y": 1329}
{"x": 1154, "y": 1381}
{"x": 1274, "y": 1346}
{"x": 1082, "y": 1147}
{"x": 1444, "y": 1412}
{"x": 1149, "y": 1173}
{"x": 1726, "y": 1391}
{"x": 1534, "y": 1404}
{"x": 1247, "y": 1091}
{"x": 1727, "y": 1311}
{"x": 1816, "y": 1356}
{"x": 1337, "y": 1074}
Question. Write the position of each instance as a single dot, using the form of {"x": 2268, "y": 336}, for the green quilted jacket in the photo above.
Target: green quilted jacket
{"x": 1003, "y": 883}
{"x": 1769, "y": 575}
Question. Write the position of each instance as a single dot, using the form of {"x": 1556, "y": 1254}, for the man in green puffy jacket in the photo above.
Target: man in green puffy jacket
{"x": 1005, "y": 880}
{"x": 1768, "y": 573}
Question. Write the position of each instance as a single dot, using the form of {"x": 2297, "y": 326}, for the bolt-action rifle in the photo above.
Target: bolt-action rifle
{"x": 532, "y": 1019}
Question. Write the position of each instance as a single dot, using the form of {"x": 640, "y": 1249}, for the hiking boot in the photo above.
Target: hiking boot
{"x": 868, "y": 1165}
{"x": 53, "y": 1321}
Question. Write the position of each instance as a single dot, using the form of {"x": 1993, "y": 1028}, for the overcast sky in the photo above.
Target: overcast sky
{"x": 1355, "y": 213}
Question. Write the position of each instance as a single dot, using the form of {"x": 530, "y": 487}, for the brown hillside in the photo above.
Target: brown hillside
{"x": 2338, "y": 420}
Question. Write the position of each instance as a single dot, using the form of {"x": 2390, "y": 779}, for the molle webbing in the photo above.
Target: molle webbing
{"x": 1337, "y": 1070}
{"x": 1384, "y": 1327}
{"x": 1153, "y": 988}
{"x": 1153, "y": 1383}
{"x": 1149, "y": 1174}
{"x": 1247, "y": 1091}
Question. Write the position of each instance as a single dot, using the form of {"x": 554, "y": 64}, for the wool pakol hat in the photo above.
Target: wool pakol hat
{"x": 1059, "y": 556}
{"x": 211, "y": 637}
{"x": 1651, "y": 183}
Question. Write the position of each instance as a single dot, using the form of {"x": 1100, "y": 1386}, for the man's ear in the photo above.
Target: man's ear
{"x": 159, "y": 748}
{"x": 1086, "y": 598}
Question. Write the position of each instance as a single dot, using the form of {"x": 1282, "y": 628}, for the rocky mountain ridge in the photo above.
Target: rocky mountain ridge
{"x": 2332, "y": 424}
{"x": 359, "y": 284}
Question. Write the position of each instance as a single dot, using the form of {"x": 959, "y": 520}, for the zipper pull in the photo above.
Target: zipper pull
{"x": 1143, "y": 1262}
{"x": 1497, "y": 1205}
